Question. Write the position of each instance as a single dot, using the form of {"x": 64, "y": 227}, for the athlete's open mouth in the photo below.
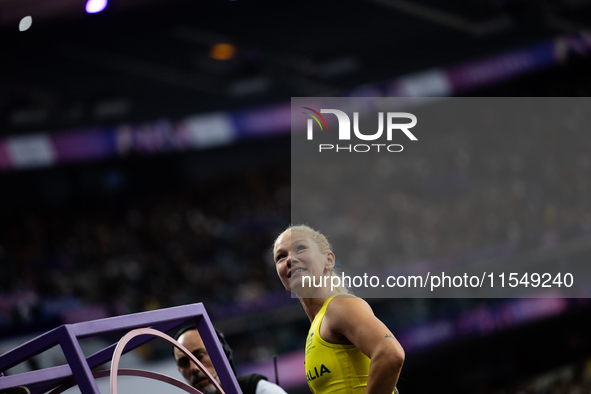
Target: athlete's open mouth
{"x": 296, "y": 271}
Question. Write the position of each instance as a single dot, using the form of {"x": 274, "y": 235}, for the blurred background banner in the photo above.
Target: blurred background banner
{"x": 146, "y": 162}
{"x": 454, "y": 197}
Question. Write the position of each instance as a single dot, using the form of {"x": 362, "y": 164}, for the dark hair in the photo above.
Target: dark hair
{"x": 225, "y": 346}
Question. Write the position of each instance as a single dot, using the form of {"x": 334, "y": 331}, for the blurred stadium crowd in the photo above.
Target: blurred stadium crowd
{"x": 469, "y": 195}
{"x": 572, "y": 379}
{"x": 464, "y": 198}
{"x": 161, "y": 250}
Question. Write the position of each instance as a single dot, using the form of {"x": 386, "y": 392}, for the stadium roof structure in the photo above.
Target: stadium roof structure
{"x": 140, "y": 62}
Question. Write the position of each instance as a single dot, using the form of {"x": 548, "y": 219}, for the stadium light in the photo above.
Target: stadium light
{"x": 25, "y": 23}
{"x": 95, "y": 6}
{"x": 222, "y": 51}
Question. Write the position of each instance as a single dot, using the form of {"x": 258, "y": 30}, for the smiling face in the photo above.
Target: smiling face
{"x": 192, "y": 374}
{"x": 297, "y": 255}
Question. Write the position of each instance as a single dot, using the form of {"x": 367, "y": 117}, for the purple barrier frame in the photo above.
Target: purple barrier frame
{"x": 133, "y": 372}
{"x": 79, "y": 366}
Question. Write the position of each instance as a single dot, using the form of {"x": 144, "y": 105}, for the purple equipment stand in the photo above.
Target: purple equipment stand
{"x": 79, "y": 367}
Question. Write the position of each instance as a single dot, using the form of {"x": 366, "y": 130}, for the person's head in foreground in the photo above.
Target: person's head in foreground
{"x": 348, "y": 349}
{"x": 190, "y": 371}
{"x": 305, "y": 262}
{"x": 249, "y": 384}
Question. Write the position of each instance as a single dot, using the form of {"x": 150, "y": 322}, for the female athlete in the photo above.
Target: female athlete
{"x": 348, "y": 349}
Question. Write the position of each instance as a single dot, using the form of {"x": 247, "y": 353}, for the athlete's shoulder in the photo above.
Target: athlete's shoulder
{"x": 344, "y": 304}
{"x": 343, "y": 315}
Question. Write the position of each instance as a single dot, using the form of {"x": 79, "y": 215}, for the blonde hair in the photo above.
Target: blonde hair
{"x": 320, "y": 240}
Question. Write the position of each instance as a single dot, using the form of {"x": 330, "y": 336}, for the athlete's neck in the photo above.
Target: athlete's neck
{"x": 313, "y": 305}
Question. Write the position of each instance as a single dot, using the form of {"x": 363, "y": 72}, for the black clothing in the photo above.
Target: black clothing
{"x": 248, "y": 383}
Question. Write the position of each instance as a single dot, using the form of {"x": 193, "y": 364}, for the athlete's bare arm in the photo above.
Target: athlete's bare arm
{"x": 351, "y": 319}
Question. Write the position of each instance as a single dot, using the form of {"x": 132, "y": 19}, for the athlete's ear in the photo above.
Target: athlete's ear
{"x": 330, "y": 261}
